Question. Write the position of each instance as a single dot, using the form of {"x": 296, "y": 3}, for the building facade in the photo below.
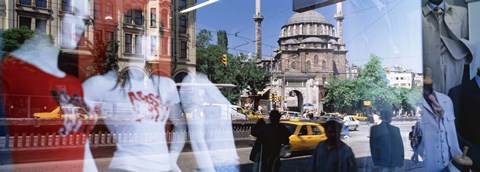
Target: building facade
{"x": 310, "y": 52}
{"x": 150, "y": 32}
{"x": 399, "y": 77}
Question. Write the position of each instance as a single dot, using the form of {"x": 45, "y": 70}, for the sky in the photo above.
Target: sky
{"x": 390, "y": 29}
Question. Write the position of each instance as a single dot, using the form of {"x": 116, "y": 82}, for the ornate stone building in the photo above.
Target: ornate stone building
{"x": 310, "y": 52}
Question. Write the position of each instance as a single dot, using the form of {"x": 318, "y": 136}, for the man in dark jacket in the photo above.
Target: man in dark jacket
{"x": 386, "y": 145}
{"x": 332, "y": 154}
{"x": 274, "y": 136}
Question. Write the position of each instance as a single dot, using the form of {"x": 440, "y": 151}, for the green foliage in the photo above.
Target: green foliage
{"x": 371, "y": 85}
{"x": 341, "y": 94}
{"x": 222, "y": 39}
{"x": 14, "y": 38}
{"x": 244, "y": 74}
{"x": 204, "y": 37}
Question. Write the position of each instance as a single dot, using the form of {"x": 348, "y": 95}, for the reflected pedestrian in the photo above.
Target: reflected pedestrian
{"x": 346, "y": 131}
{"x": 370, "y": 120}
{"x": 332, "y": 154}
{"x": 273, "y": 137}
{"x": 256, "y": 153}
{"x": 386, "y": 145}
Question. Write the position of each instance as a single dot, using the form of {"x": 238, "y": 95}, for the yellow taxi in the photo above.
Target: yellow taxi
{"x": 253, "y": 115}
{"x": 358, "y": 117}
{"x": 305, "y": 136}
{"x": 67, "y": 111}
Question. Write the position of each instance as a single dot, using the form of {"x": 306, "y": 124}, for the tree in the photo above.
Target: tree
{"x": 222, "y": 39}
{"x": 105, "y": 56}
{"x": 204, "y": 37}
{"x": 372, "y": 85}
{"x": 340, "y": 94}
{"x": 244, "y": 74}
{"x": 14, "y": 38}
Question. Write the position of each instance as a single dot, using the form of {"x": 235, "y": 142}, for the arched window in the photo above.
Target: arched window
{"x": 183, "y": 24}
{"x": 315, "y": 60}
{"x": 324, "y": 65}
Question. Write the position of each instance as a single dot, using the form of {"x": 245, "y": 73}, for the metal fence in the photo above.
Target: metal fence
{"x": 26, "y": 141}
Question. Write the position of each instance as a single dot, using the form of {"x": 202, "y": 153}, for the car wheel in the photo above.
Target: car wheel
{"x": 355, "y": 128}
{"x": 285, "y": 152}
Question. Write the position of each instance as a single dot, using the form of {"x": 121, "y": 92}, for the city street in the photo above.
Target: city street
{"x": 358, "y": 141}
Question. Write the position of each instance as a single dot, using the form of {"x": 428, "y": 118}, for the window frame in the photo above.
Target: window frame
{"x": 37, "y": 21}
{"x": 138, "y": 17}
{"x": 128, "y": 16}
{"x": 153, "y": 17}
{"x": 20, "y": 22}
{"x": 183, "y": 24}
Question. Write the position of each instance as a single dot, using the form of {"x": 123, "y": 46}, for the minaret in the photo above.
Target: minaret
{"x": 339, "y": 17}
{"x": 258, "y": 29}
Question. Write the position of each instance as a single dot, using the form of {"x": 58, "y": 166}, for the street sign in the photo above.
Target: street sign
{"x": 305, "y": 5}
{"x": 367, "y": 103}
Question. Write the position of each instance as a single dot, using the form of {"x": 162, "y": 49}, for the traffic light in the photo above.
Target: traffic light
{"x": 224, "y": 60}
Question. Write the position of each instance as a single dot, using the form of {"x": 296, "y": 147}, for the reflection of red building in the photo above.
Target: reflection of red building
{"x": 140, "y": 27}
{"x": 146, "y": 30}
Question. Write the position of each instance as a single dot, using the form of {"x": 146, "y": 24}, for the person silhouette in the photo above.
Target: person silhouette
{"x": 332, "y": 154}
{"x": 386, "y": 145}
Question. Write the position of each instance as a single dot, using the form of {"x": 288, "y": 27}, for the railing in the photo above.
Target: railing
{"x": 36, "y": 141}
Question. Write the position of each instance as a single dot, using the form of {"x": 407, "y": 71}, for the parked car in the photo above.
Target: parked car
{"x": 287, "y": 115}
{"x": 66, "y": 111}
{"x": 359, "y": 117}
{"x": 305, "y": 136}
{"x": 352, "y": 122}
{"x": 238, "y": 113}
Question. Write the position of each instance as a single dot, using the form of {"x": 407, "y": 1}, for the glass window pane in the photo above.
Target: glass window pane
{"x": 25, "y": 22}
{"x": 138, "y": 17}
{"x": 128, "y": 43}
{"x": 26, "y": 2}
{"x": 41, "y": 25}
{"x": 41, "y": 3}
{"x": 138, "y": 44}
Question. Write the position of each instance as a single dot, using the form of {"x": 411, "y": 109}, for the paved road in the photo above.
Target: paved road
{"x": 358, "y": 141}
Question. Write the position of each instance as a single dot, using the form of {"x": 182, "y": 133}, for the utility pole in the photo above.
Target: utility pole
{"x": 258, "y": 18}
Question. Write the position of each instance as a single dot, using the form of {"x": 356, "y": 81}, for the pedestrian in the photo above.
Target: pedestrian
{"x": 370, "y": 120}
{"x": 255, "y": 153}
{"x": 346, "y": 122}
{"x": 417, "y": 140}
{"x": 273, "y": 137}
{"x": 332, "y": 154}
{"x": 410, "y": 137}
{"x": 386, "y": 145}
